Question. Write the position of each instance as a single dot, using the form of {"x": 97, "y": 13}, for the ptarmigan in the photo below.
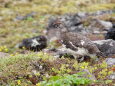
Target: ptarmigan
{"x": 77, "y": 44}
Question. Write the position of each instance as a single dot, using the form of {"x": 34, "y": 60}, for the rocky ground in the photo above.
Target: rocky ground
{"x": 31, "y": 51}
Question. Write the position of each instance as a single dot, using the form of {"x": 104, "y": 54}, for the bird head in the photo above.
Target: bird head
{"x": 56, "y": 23}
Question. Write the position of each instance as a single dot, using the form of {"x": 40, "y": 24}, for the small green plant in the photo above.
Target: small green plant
{"x": 66, "y": 80}
{"x": 62, "y": 70}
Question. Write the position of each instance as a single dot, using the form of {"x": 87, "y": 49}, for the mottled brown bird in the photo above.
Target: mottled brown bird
{"x": 74, "y": 43}
{"x": 77, "y": 44}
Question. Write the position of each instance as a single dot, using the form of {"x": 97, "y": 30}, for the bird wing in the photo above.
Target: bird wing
{"x": 75, "y": 41}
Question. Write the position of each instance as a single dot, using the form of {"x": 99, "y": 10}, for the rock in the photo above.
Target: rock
{"x": 73, "y": 23}
{"x": 99, "y": 25}
{"x": 106, "y": 25}
{"x": 102, "y": 12}
{"x": 82, "y": 23}
{"x": 19, "y": 17}
{"x": 110, "y": 61}
{"x": 107, "y": 47}
{"x": 111, "y": 33}
{"x": 112, "y": 76}
{"x": 35, "y": 44}
{"x": 3, "y": 55}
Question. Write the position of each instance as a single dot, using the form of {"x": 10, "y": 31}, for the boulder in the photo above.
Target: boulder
{"x": 34, "y": 44}
{"x": 111, "y": 33}
{"x": 107, "y": 47}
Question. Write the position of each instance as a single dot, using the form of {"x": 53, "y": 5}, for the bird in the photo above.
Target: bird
{"x": 76, "y": 44}
{"x": 36, "y": 43}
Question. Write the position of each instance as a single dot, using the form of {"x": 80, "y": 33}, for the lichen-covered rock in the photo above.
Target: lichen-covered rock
{"x": 106, "y": 46}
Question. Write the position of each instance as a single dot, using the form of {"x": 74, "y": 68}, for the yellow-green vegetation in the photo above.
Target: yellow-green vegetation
{"x": 3, "y": 49}
{"x": 16, "y": 66}
{"x": 31, "y": 68}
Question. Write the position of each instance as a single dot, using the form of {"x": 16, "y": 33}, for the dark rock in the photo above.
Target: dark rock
{"x": 35, "y": 44}
{"x": 82, "y": 23}
{"x": 73, "y": 22}
{"x": 111, "y": 33}
{"x": 106, "y": 46}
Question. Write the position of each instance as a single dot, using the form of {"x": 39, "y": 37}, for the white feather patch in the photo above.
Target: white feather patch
{"x": 80, "y": 51}
{"x": 35, "y": 43}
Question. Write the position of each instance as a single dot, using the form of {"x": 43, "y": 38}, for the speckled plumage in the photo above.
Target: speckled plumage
{"x": 75, "y": 41}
